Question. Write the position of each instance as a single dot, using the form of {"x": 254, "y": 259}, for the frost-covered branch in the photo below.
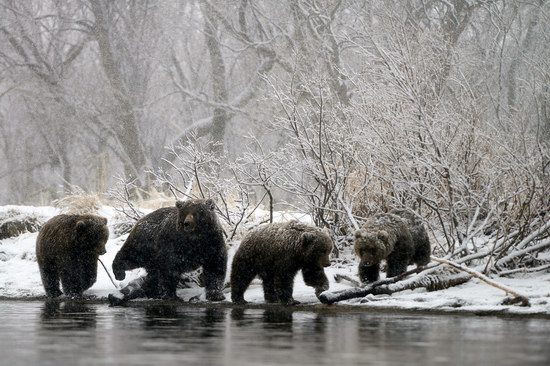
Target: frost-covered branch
{"x": 124, "y": 194}
{"x": 517, "y": 296}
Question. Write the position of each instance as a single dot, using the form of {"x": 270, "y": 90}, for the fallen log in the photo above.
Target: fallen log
{"x": 432, "y": 282}
{"x": 426, "y": 279}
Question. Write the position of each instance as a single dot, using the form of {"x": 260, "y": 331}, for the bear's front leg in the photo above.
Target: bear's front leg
{"x": 369, "y": 273}
{"x": 316, "y": 278}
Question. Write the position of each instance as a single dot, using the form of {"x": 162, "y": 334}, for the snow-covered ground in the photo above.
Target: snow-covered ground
{"x": 20, "y": 278}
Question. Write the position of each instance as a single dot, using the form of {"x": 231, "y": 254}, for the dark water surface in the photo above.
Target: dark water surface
{"x": 34, "y": 333}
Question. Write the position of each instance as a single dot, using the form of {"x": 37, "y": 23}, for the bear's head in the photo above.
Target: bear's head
{"x": 92, "y": 234}
{"x": 196, "y": 215}
{"x": 317, "y": 246}
{"x": 371, "y": 247}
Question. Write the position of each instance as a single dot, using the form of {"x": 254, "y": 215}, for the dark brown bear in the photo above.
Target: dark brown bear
{"x": 398, "y": 237}
{"x": 174, "y": 240}
{"x": 67, "y": 249}
{"x": 275, "y": 253}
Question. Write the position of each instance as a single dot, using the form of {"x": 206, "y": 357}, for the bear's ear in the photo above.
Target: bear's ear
{"x": 104, "y": 220}
{"x": 80, "y": 226}
{"x": 210, "y": 204}
{"x": 383, "y": 235}
{"x": 308, "y": 238}
{"x": 179, "y": 204}
{"x": 358, "y": 234}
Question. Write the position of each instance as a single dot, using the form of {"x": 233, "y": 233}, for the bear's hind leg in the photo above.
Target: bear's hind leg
{"x": 50, "y": 280}
{"x": 396, "y": 267}
{"x": 240, "y": 280}
{"x": 284, "y": 285}
{"x": 71, "y": 283}
{"x": 270, "y": 295}
{"x": 422, "y": 252}
{"x": 167, "y": 281}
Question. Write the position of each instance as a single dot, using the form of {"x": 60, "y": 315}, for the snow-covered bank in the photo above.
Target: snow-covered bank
{"x": 20, "y": 278}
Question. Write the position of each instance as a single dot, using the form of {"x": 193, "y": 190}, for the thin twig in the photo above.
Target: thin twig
{"x": 108, "y": 274}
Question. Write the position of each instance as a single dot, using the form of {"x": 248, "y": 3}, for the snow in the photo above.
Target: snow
{"x": 20, "y": 278}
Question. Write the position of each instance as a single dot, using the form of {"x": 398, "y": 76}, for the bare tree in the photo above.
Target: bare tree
{"x": 124, "y": 36}
{"x": 234, "y": 46}
{"x": 40, "y": 47}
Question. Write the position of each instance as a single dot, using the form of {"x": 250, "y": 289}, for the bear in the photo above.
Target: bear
{"x": 174, "y": 240}
{"x": 275, "y": 253}
{"x": 67, "y": 249}
{"x": 398, "y": 237}
{"x": 421, "y": 240}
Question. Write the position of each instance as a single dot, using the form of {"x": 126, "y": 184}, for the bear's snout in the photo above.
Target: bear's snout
{"x": 120, "y": 274}
{"x": 189, "y": 223}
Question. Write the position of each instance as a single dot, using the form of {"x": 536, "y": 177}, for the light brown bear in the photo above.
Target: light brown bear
{"x": 67, "y": 249}
{"x": 275, "y": 253}
{"x": 398, "y": 237}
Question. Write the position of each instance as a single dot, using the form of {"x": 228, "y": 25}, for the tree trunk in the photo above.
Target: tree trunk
{"x": 127, "y": 131}
{"x": 217, "y": 77}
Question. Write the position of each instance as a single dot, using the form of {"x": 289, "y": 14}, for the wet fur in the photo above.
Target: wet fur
{"x": 398, "y": 237}
{"x": 275, "y": 253}
{"x": 174, "y": 240}
{"x": 67, "y": 250}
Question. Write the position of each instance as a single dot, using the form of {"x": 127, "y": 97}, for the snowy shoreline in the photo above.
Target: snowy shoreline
{"x": 20, "y": 281}
{"x": 312, "y": 307}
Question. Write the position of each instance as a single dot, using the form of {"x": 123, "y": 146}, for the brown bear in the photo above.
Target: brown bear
{"x": 67, "y": 249}
{"x": 275, "y": 253}
{"x": 174, "y": 240}
{"x": 397, "y": 237}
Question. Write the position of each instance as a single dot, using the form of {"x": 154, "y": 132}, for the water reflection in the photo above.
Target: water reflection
{"x": 277, "y": 319}
{"x": 72, "y": 332}
{"x": 200, "y": 323}
{"x": 66, "y": 315}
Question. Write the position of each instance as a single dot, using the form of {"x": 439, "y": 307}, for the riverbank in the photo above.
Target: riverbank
{"x": 20, "y": 281}
{"x": 304, "y": 307}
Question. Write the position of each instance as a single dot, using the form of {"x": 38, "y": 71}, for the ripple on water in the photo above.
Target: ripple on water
{"x": 59, "y": 333}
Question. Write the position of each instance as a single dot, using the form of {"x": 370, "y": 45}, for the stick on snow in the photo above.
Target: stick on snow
{"x": 517, "y": 296}
{"x": 108, "y": 274}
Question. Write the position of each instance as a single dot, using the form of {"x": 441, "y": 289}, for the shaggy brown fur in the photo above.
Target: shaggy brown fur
{"x": 389, "y": 237}
{"x": 174, "y": 240}
{"x": 421, "y": 241}
{"x": 67, "y": 249}
{"x": 275, "y": 253}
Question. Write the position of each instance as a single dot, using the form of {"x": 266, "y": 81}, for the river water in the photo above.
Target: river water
{"x": 67, "y": 333}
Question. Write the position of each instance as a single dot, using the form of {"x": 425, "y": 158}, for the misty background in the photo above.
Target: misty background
{"x": 335, "y": 108}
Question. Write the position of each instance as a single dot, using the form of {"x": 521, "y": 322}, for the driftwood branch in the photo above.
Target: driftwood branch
{"x": 524, "y": 270}
{"x": 544, "y": 244}
{"x": 517, "y": 297}
{"x": 426, "y": 279}
{"x": 332, "y": 297}
{"x": 431, "y": 282}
